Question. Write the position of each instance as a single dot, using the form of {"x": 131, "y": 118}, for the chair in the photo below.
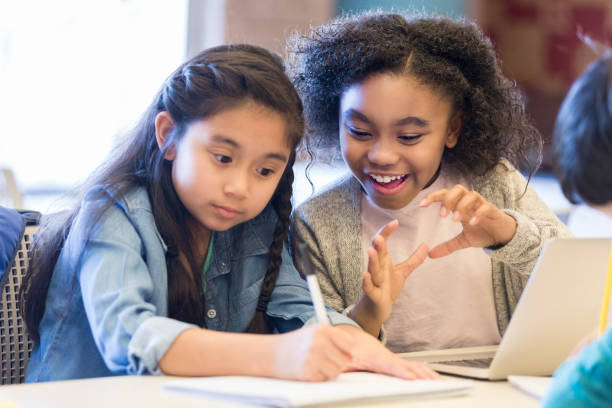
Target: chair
{"x": 15, "y": 344}
{"x": 8, "y": 187}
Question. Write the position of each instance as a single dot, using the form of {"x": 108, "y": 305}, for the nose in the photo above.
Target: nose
{"x": 237, "y": 184}
{"x": 382, "y": 153}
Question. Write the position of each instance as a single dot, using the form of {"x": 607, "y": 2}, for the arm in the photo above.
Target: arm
{"x": 536, "y": 223}
{"x": 585, "y": 380}
{"x": 313, "y": 353}
{"x": 502, "y": 215}
{"x": 301, "y": 232}
{"x": 332, "y": 247}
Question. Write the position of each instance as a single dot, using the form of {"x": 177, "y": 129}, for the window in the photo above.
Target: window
{"x": 74, "y": 75}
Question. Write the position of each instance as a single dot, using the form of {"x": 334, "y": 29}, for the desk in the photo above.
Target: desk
{"x": 134, "y": 391}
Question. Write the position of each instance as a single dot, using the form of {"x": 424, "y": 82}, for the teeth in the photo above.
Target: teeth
{"x": 385, "y": 179}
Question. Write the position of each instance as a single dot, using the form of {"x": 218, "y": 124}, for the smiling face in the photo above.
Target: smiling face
{"x": 393, "y": 132}
{"x": 226, "y": 167}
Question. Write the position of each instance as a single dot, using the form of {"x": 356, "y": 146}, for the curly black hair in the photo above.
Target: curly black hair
{"x": 452, "y": 56}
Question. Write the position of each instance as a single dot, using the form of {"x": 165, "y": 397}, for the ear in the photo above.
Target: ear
{"x": 163, "y": 125}
{"x": 454, "y": 129}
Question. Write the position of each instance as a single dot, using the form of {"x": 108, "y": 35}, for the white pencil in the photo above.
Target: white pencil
{"x": 313, "y": 287}
{"x": 317, "y": 298}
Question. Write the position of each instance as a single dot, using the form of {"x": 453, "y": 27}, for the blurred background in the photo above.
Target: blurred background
{"x": 76, "y": 74}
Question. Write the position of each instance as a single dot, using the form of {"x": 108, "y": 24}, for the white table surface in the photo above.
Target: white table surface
{"x": 134, "y": 391}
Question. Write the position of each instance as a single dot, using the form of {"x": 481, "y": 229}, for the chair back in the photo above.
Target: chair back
{"x": 15, "y": 344}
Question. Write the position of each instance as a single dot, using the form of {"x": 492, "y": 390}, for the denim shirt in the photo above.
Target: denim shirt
{"x": 106, "y": 308}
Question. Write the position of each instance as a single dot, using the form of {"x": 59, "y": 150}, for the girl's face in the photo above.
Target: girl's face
{"x": 226, "y": 167}
{"x": 393, "y": 131}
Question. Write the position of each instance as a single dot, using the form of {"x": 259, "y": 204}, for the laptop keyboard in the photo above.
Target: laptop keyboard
{"x": 476, "y": 363}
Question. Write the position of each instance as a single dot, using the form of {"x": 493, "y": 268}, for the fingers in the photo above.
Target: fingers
{"x": 458, "y": 201}
{"x": 448, "y": 247}
{"x": 376, "y": 272}
{"x": 410, "y": 370}
{"x": 481, "y": 213}
{"x": 434, "y": 197}
{"x": 371, "y": 355}
{"x": 379, "y": 260}
{"x": 343, "y": 339}
{"x": 421, "y": 371}
{"x": 368, "y": 285}
{"x": 417, "y": 258}
{"x": 326, "y": 356}
{"x": 386, "y": 230}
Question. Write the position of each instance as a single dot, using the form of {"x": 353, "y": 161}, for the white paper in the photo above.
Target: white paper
{"x": 533, "y": 386}
{"x": 348, "y": 386}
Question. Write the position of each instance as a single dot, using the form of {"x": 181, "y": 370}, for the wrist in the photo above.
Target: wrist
{"x": 510, "y": 231}
{"x": 366, "y": 314}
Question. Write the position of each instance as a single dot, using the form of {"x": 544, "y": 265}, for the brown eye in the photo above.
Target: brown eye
{"x": 221, "y": 158}
{"x": 357, "y": 134}
{"x": 265, "y": 172}
{"x": 409, "y": 139}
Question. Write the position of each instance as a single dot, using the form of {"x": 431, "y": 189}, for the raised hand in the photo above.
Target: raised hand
{"x": 484, "y": 224}
{"x": 383, "y": 281}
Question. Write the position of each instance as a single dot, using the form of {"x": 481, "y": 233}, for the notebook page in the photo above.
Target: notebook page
{"x": 530, "y": 385}
{"x": 348, "y": 386}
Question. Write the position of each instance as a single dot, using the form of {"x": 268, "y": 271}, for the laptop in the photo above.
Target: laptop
{"x": 559, "y": 306}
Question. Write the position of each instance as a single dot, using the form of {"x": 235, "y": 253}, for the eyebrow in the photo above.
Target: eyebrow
{"x": 235, "y": 145}
{"x": 408, "y": 120}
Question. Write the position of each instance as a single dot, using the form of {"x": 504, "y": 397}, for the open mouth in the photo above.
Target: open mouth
{"x": 387, "y": 184}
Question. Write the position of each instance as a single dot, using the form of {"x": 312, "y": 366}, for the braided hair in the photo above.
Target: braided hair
{"x": 281, "y": 202}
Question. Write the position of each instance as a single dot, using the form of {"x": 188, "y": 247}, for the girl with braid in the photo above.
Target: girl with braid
{"x": 432, "y": 134}
{"x": 176, "y": 248}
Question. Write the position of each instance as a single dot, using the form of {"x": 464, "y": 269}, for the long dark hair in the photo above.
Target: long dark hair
{"x": 218, "y": 78}
{"x": 451, "y": 56}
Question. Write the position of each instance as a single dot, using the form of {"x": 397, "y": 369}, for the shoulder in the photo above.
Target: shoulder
{"x": 333, "y": 200}
{"x": 130, "y": 200}
{"x": 128, "y": 215}
{"x": 503, "y": 181}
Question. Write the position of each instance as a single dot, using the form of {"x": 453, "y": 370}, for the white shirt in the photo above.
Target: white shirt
{"x": 446, "y": 302}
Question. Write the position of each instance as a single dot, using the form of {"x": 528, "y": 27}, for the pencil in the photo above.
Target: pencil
{"x": 603, "y": 317}
{"x": 315, "y": 290}
{"x": 317, "y": 299}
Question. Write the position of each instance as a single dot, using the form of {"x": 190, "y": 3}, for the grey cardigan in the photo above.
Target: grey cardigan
{"x": 329, "y": 225}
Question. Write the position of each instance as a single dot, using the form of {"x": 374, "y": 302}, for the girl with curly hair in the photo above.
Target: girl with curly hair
{"x": 432, "y": 133}
{"x": 173, "y": 261}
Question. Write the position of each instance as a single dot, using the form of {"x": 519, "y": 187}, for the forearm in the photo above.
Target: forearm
{"x": 201, "y": 352}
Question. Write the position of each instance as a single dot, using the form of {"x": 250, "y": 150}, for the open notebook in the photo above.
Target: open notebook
{"x": 359, "y": 386}
{"x": 560, "y": 304}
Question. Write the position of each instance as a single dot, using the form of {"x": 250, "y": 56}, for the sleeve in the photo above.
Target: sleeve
{"x": 535, "y": 222}
{"x": 305, "y": 248}
{"x": 118, "y": 290}
{"x": 585, "y": 381}
{"x": 291, "y": 305}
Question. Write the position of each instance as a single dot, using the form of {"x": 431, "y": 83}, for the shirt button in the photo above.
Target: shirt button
{"x": 212, "y": 313}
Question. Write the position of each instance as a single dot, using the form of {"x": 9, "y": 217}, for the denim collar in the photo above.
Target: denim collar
{"x": 242, "y": 241}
